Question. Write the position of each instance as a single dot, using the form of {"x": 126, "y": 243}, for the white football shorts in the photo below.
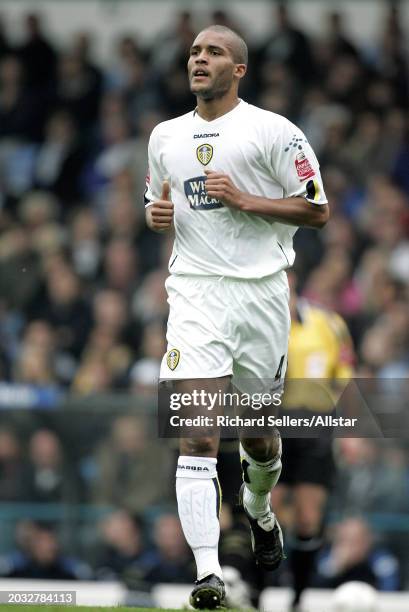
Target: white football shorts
{"x": 220, "y": 326}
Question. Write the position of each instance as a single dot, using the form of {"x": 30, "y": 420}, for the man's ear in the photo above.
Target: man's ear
{"x": 240, "y": 70}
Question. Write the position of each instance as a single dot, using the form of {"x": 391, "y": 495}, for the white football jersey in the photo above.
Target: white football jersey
{"x": 265, "y": 155}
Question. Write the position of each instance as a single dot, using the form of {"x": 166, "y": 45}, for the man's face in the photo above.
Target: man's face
{"x": 211, "y": 67}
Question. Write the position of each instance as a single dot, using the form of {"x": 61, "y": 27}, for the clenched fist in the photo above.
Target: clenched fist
{"x": 159, "y": 215}
{"x": 221, "y": 186}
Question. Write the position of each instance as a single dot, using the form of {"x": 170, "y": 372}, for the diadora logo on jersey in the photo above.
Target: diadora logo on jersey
{"x": 206, "y": 135}
{"x": 195, "y": 191}
{"x": 173, "y": 358}
{"x": 204, "y": 153}
{"x": 303, "y": 167}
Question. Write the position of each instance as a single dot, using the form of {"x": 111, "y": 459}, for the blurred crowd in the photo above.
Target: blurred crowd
{"x": 82, "y": 300}
{"x": 82, "y": 296}
{"x": 92, "y": 496}
{"x": 137, "y": 537}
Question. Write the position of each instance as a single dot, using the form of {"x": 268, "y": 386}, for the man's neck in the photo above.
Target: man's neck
{"x": 209, "y": 110}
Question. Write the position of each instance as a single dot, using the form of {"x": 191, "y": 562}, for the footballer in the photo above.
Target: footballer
{"x": 234, "y": 182}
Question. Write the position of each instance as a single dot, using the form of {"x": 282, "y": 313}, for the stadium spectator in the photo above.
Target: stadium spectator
{"x": 77, "y": 90}
{"x": 354, "y": 556}
{"x": 366, "y": 479}
{"x": 107, "y": 355}
{"x": 289, "y": 46}
{"x": 93, "y": 375}
{"x": 117, "y": 150}
{"x": 37, "y": 54}
{"x": 59, "y": 161}
{"x": 127, "y": 49}
{"x": 122, "y": 216}
{"x": 33, "y": 367}
{"x": 82, "y": 47}
{"x": 172, "y": 560}
{"x": 175, "y": 44}
{"x": 121, "y": 462}
{"x": 168, "y": 64}
{"x": 40, "y": 337}
{"x": 17, "y": 109}
{"x": 63, "y": 305}
{"x": 20, "y": 274}
{"x": 85, "y": 241}
{"x": 110, "y": 312}
{"x": 337, "y": 37}
{"x": 48, "y": 476}
{"x": 122, "y": 553}
{"x": 38, "y": 556}
{"x": 120, "y": 268}
{"x": 11, "y": 466}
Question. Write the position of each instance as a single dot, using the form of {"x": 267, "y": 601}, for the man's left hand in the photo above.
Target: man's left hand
{"x": 221, "y": 186}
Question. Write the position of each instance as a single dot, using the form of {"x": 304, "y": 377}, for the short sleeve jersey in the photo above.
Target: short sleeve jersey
{"x": 265, "y": 155}
{"x": 320, "y": 347}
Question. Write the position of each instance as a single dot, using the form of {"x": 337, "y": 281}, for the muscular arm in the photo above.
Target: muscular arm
{"x": 293, "y": 211}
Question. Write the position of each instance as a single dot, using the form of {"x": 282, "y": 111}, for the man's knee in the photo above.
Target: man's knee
{"x": 199, "y": 447}
{"x": 262, "y": 449}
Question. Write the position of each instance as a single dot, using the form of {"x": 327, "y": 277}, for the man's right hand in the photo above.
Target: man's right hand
{"x": 159, "y": 215}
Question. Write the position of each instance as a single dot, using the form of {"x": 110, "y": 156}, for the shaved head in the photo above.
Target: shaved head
{"x": 217, "y": 62}
{"x": 235, "y": 43}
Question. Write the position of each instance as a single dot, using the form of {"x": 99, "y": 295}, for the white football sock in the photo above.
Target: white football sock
{"x": 199, "y": 498}
{"x": 259, "y": 478}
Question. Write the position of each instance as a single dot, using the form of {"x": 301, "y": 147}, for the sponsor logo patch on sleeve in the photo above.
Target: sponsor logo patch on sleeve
{"x": 303, "y": 167}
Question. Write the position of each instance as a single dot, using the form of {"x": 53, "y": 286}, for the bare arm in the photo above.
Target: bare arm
{"x": 293, "y": 211}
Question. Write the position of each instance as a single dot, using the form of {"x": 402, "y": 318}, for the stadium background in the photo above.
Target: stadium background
{"x": 83, "y": 479}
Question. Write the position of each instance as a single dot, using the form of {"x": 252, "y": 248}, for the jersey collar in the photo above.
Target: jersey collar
{"x": 197, "y": 117}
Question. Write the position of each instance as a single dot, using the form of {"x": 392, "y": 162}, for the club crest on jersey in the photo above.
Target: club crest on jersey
{"x": 204, "y": 153}
{"x": 303, "y": 167}
{"x": 172, "y": 359}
